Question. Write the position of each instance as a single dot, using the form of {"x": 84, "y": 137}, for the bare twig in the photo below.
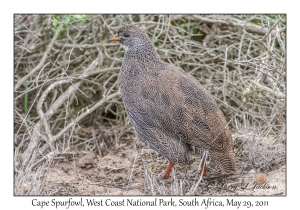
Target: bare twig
{"x": 41, "y": 63}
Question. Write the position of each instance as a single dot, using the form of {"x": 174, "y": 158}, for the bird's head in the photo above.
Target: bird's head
{"x": 132, "y": 38}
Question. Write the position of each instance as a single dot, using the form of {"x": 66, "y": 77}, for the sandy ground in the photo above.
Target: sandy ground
{"x": 127, "y": 172}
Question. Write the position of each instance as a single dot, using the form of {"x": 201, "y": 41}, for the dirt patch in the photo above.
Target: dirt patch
{"x": 127, "y": 172}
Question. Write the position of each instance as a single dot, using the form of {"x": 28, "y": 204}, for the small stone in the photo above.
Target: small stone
{"x": 252, "y": 171}
{"x": 118, "y": 193}
{"x": 88, "y": 166}
{"x": 261, "y": 179}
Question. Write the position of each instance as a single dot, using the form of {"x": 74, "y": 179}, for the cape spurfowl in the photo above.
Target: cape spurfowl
{"x": 168, "y": 108}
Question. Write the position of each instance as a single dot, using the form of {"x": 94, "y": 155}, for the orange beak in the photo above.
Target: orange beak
{"x": 113, "y": 38}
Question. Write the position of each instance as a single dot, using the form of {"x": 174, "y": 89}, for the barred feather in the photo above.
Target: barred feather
{"x": 169, "y": 109}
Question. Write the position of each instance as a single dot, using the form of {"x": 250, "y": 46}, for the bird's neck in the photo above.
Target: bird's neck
{"x": 142, "y": 58}
{"x": 137, "y": 63}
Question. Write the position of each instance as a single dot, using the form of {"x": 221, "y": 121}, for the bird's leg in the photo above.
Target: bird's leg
{"x": 166, "y": 173}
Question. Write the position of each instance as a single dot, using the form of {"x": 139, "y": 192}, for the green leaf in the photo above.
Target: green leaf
{"x": 16, "y": 155}
{"x": 77, "y": 16}
{"x": 185, "y": 25}
{"x": 67, "y": 20}
{"x": 54, "y": 22}
{"x": 58, "y": 28}
{"x": 80, "y": 17}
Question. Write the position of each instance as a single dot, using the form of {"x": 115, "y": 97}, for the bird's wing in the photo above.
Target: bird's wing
{"x": 193, "y": 110}
{"x": 172, "y": 109}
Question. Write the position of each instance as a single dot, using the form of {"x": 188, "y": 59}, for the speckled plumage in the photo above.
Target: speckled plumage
{"x": 169, "y": 109}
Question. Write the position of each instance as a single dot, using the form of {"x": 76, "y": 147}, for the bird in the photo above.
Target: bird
{"x": 169, "y": 109}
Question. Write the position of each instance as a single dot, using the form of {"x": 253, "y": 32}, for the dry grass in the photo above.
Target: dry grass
{"x": 66, "y": 94}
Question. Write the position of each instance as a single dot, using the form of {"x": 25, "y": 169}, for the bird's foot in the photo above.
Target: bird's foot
{"x": 166, "y": 173}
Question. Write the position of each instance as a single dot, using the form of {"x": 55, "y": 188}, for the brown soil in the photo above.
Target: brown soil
{"x": 123, "y": 172}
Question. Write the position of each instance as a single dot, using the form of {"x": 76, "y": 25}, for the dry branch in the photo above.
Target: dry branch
{"x": 41, "y": 63}
{"x": 231, "y": 21}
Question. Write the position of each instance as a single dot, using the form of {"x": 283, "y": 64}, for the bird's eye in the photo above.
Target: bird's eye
{"x": 126, "y": 34}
